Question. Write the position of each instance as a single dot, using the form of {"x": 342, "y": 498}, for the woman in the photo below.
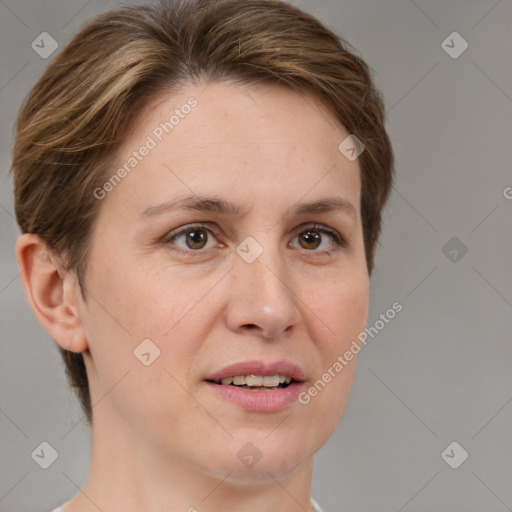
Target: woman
{"x": 199, "y": 185}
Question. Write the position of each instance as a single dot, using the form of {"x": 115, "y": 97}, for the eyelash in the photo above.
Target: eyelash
{"x": 339, "y": 241}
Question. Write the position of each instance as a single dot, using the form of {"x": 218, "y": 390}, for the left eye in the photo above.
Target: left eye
{"x": 311, "y": 238}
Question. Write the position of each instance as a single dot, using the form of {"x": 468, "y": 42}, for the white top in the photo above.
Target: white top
{"x": 316, "y": 507}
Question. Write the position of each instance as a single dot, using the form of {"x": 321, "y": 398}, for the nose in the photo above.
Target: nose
{"x": 262, "y": 298}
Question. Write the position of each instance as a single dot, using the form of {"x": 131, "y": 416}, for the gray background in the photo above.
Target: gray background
{"x": 440, "y": 371}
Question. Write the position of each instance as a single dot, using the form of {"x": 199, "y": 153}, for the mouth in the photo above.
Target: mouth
{"x": 258, "y": 386}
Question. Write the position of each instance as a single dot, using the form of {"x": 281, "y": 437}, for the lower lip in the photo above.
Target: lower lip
{"x": 259, "y": 401}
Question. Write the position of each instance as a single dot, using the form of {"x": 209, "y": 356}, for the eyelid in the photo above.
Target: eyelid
{"x": 171, "y": 235}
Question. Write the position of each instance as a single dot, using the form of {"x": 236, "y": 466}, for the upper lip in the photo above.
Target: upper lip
{"x": 261, "y": 368}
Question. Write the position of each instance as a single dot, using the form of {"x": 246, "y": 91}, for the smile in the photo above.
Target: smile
{"x": 257, "y": 382}
{"x": 258, "y": 386}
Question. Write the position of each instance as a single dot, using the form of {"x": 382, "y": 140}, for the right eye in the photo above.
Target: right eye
{"x": 194, "y": 238}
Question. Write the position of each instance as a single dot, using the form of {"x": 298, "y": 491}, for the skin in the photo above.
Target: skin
{"x": 162, "y": 439}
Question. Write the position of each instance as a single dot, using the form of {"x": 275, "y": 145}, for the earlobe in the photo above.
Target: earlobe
{"x": 51, "y": 291}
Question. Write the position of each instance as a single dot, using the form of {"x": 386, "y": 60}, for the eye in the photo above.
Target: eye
{"x": 196, "y": 238}
{"x": 193, "y": 238}
{"x": 314, "y": 236}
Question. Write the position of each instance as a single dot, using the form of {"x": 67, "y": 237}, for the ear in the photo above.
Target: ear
{"x": 53, "y": 293}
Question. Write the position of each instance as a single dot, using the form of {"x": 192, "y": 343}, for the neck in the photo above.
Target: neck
{"x": 128, "y": 474}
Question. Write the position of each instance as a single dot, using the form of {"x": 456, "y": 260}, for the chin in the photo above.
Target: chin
{"x": 265, "y": 470}
{"x": 254, "y": 455}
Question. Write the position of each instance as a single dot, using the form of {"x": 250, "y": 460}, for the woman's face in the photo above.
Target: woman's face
{"x": 251, "y": 276}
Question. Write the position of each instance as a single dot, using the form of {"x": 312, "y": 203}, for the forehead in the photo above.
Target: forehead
{"x": 242, "y": 140}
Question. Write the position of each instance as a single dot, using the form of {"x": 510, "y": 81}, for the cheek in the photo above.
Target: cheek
{"x": 342, "y": 311}
{"x": 134, "y": 305}
{"x": 148, "y": 302}
{"x": 128, "y": 304}
{"x": 343, "y": 307}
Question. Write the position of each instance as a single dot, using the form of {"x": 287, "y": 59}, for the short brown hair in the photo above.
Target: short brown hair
{"x": 79, "y": 111}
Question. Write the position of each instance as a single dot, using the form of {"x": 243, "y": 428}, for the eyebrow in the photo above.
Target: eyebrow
{"x": 218, "y": 205}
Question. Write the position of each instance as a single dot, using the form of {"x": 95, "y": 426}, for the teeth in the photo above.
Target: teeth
{"x": 255, "y": 380}
{"x": 267, "y": 381}
{"x": 271, "y": 381}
